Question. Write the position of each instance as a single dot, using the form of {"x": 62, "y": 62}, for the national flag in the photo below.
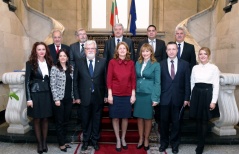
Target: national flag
{"x": 116, "y": 8}
{"x": 133, "y": 18}
{"x": 112, "y": 16}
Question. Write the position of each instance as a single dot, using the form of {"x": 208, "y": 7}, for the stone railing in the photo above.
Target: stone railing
{"x": 16, "y": 111}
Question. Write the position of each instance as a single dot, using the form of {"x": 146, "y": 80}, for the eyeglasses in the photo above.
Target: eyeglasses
{"x": 90, "y": 48}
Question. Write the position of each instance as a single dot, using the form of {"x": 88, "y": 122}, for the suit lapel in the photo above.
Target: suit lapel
{"x": 97, "y": 64}
{"x": 87, "y": 67}
{"x": 178, "y": 69}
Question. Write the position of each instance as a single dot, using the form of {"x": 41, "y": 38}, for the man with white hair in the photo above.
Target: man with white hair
{"x": 89, "y": 91}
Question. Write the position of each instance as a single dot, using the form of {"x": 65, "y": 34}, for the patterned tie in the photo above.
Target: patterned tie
{"x": 118, "y": 40}
{"x": 57, "y": 48}
{"x": 172, "y": 70}
{"x": 91, "y": 73}
{"x": 82, "y": 48}
{"x": 152, "y": 44}
{"x": 179, "y": 51}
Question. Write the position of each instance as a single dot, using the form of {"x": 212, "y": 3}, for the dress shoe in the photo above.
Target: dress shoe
{"x": 175, "y": 150}
{"x": 146, "y": 148}
{"x": 67, "y": 146}
{"x": 84, "y": 146}
{"x": 45, "y": 148}
{"x": 96, "y": 146}
{"x": 124, "y": 146}
{"x": 118, "y": 149}
{"x": 199, "y": 150}
{"x": 139, "y": 146}
{"x": 39, "y": 149}
{"x": 162, "y": 148}
{"x": 64, "y": 149}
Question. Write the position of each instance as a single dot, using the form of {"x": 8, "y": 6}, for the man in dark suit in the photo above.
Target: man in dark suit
{"x": 175, "y": 93}
{"x": 89, "y": 91}
{"x": 57, "y": 45}
{"x": 110, "y": 45}
{"x": 186, "y": 51}
{"x": 159, "y": 53}
{"x": 157, "y": 44}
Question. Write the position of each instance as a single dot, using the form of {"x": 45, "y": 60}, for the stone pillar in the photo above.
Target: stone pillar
{"x": 16, "y": 111}
{"x": 229, "y": 116}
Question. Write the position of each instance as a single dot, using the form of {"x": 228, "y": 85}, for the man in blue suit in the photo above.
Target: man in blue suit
{"x": 175, "y": 93}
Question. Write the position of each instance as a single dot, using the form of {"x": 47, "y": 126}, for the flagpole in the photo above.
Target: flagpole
{"x": 128, "y": 20}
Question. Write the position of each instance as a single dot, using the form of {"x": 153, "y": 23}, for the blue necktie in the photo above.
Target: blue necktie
{"x": 179, "y": 50}
{"x": 118, "y": 40}
{"x": 91, "y": 74}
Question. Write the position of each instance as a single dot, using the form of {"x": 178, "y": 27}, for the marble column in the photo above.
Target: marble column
{"x": 229, "y": 116}
{"x": 16, "y": 111}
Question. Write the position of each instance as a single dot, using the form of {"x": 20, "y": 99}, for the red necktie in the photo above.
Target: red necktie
{"x": 57, "y": 48}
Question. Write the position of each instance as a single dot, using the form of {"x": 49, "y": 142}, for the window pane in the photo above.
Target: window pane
{"x": 123, "y": 12}
{"x": 142, "y": 10}
{"x": 98, "y": 13}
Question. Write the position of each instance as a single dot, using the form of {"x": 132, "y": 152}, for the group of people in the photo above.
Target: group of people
{"x": 156, "y": 82}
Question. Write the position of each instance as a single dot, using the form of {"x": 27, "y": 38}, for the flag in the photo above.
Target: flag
{"x": 112, "y": 16}
{"x": 114, "y": 11}
{"x": 133, "y": 18}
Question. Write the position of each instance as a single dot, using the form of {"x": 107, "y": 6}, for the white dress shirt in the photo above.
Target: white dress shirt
{"x": 43, "y": 67}
{"x": 175, "y": 63}
{"x": 143, "y": 67}
{"x": 207, "y": 73}
{"x": 93, "y": 63}
{"x": 152, "y": 43}
{"x": 56, "y": 47}
{"x": 116, "y": 40}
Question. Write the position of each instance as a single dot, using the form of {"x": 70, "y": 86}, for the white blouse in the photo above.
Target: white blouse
{"x": 143, "y": 67}
{"x": 43, "y": 67}
{"x": 207, "y": 73}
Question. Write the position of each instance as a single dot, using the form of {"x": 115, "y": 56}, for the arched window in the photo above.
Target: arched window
{"x": 100, "y": 12}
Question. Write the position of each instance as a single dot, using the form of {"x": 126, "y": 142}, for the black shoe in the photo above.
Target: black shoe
{"x": 139, "y": 146}
{"x": 146, "y": 148}
{"x": 67, "y": 146}
{"x": 84, "y": 146}
{"x": 118, "y": 149}
{"x": 45, "y": 148}
{"x": 64, "y": 150}
{"x": 124, "y": 146}
{"x": 96, "y": 146}
{"x": 175, "y": 150}
{"x": 162, "y": 148}
{"x": 199, "y": 150}
{"x": 39, "y": 149}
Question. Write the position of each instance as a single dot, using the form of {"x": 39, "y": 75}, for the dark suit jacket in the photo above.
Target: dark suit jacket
{"x": 160, "y": 51}
{"x": 53, "y": 51}
{"x": 34, "y": 81}
{"x": 109, "y": 48}
{"x": 75, "y": 53}
{"x": 176, "y": 90}
{"x": 188, "y": 54}
{"x": 83, "y": 81}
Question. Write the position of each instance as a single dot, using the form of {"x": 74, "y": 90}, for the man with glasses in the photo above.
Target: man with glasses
{"x": 89, "y": 91}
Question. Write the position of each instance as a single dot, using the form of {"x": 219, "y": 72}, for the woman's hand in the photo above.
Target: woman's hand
{"x": 110, "y": 99}
{"x": 30, "y": 104}
{"x": 212, "y": 106}
{"x": 154, "y": 104}
{"x": 132, "y": 99}
{"x": 58, "y": 103}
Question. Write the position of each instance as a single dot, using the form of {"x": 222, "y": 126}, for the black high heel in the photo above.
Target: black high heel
{"x": 67, "y": 146}
{"x": 124, "y": 146}
{"x": 39, "y": 150}
{"x": 146, "y": 148}
{"x": 45, "y": 148}
{"x": 140, "y": 146}
{"x": 64, "y": 150}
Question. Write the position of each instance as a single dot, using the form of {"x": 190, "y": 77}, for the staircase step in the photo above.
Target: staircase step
{"x": 106, "y": 123}
{"x": 109, "y": 136}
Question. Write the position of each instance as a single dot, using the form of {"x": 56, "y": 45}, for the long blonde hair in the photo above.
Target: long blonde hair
{"x": 148, "y": 47}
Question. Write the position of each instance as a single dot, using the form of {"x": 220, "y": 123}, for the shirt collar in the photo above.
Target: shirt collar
{"x": 154, "y": 40}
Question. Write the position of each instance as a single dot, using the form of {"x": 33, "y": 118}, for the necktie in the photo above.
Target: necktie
{"x": 57, "y": 48}
{"x": 172, "y": 70}
{"x": 179, "y": 51}
{"x": 91, "y": 73}
{"x": 152, "y": 44}
{"x": 118, "y": 40}
{"x": 82, "y": 48}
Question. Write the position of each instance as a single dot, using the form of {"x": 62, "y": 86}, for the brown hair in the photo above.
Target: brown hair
{"x": 148, "y": 47}
{"x": 116, "y": 54}
{"x": 33, "y": 59}
{"x": 206, "y": 49}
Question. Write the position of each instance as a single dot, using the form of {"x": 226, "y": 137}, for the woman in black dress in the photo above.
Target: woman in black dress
{"x": 38, "y": 94}
{"x": 61, "y": 78}
{"x": 205, "y": 90}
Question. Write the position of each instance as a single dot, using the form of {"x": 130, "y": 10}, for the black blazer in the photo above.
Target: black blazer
{"x": 34, "y": 81}
{"x": 160, "y": 51}
{"x": 189, "y": 55}
{"x": 176, "y": 90}
{"x": 53, "y": 51}
{"x": 109, "y": 48}
{"x": 75, "y": 54}
{"x": 82, "y": 81}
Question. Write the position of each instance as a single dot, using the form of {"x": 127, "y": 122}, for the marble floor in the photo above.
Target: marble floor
{"x": 30, "y": 148}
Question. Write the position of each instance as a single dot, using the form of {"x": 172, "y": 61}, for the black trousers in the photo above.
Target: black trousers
{"x": 169, "y": 114}
{"x": 91, "y": 120}
{"x": 62, "y": 115}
